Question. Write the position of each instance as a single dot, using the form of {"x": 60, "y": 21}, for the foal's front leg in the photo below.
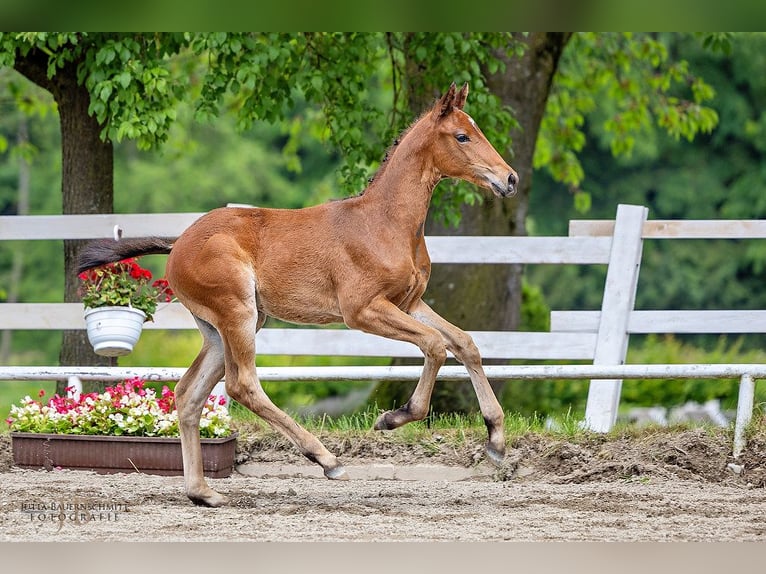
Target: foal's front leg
{"x": 462, "y": 346}
{"x": 381, "y": 317}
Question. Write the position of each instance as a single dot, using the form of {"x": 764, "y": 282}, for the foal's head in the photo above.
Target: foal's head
{"x": 462, "y": 151}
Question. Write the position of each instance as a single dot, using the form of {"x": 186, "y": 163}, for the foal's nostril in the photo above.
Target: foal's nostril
{"x": 513, "y": 179}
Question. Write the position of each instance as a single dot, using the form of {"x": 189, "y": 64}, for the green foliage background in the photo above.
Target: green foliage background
{"x": 606, "y": 139}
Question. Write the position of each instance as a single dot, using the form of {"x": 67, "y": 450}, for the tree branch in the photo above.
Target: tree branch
{"x": 34, "y": 66}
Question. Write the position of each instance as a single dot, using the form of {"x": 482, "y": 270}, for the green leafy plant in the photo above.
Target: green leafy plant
{"x": 123, "y": 284}
{"x": 127, "y": 409}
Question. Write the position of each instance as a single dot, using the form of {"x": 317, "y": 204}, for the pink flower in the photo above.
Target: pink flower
{"x": 41, "y": 393}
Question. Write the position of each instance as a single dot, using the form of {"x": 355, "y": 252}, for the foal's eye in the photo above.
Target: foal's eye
{"x": 462, "y": 138}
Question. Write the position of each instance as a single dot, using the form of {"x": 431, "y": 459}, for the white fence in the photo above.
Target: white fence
{"x": 598, "y": 336}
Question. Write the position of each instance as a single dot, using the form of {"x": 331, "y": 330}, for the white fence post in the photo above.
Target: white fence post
{"x": 74, "y": 387}
{"x": 618, "y": 302}
{"x": 744, "y": 412}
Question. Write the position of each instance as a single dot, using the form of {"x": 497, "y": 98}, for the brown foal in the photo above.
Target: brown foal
{"x": 361, "y": 261}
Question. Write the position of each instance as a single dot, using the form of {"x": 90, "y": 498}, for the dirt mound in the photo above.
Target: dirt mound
{"x": 691, "y": 455}
{"x": 701, "y": 454}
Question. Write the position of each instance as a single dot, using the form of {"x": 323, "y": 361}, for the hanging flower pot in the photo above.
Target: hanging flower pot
{"x": 118, "y": 299}
{"x": 113, "y": 331}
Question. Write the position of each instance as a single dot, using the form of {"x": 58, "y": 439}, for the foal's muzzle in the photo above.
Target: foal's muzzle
{"x": 513, "y": 182}
{"x": 508, "y": 190}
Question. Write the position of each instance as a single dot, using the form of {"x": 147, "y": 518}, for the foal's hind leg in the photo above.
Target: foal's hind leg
{"x": 192, "y": 392}
{"x": 242, "y": 384}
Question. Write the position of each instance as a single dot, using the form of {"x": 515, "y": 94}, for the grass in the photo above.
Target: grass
{"x": 455, "y": 425}
{"x": 458, "y": 429}
{"x": 515, "y": 424}
{"x": 453, "y": 428}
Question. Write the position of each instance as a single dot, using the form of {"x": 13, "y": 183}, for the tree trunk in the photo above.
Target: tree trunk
{"x": 86, "y": 184}
{"x": 488, "y": 297}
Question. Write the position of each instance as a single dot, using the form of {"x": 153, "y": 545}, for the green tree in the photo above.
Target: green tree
{"x": 24, "y": 111}
{"x": 719, "y": 175}
{"x": 110, "y": 87}
{"x": 55, "y": 62}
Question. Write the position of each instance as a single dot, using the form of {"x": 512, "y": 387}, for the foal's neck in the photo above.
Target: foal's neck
{"x": 401, "y": 191}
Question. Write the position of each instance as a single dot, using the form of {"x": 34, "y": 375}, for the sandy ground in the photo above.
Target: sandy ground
{"x": 664, "y": 486}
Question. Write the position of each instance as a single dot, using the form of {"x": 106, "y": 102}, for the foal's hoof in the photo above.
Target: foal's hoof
{"x": 337, "y": 473}
{"x": 381, "y": 423}
{"x": 495, "y": 456}
{"x": 389, "y": 420}
{"x": 212, "y": 499}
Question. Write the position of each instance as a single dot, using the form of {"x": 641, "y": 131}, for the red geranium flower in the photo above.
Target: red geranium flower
{"x": 123, "y": 284}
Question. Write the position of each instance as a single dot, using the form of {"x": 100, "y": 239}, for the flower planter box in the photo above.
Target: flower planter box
{"x": 113, "y": 454}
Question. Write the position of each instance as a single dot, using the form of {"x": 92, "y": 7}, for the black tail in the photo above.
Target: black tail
{"x": 102, "y": 251}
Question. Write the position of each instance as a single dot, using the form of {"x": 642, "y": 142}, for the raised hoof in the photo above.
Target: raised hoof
{"x": 212, "y": 499}
{"x": 387, "y": 421}
{"x": 381, "y": 423}
{"x": 337, "y": 473}
{"x": 495, "y": 456}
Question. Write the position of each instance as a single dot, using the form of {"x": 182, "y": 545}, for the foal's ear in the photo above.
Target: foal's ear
{"x": 461, "y": 96}
{"x": 447, "y": 101}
